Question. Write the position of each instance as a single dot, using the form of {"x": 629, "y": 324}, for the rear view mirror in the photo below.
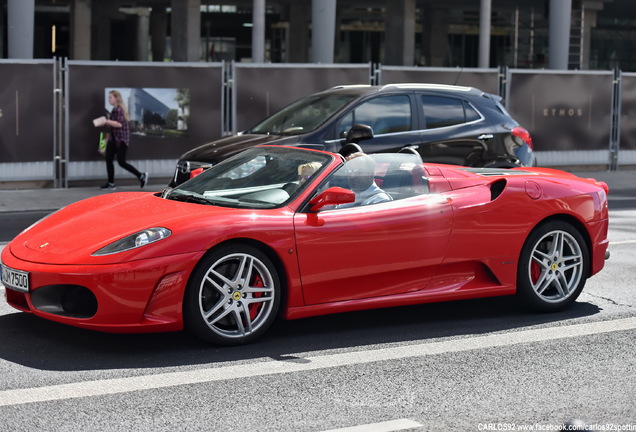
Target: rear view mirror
{"x": 332, "y": 196}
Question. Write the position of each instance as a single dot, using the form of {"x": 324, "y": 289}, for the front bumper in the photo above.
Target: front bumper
{"x": 132, "y": 297}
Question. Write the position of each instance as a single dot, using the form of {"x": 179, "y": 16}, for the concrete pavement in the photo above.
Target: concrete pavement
{"x": 51, "y": 199}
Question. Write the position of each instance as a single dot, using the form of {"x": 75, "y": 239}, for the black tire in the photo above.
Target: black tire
{"x": 553, "y": 267}
{"x": 233, "y": 296}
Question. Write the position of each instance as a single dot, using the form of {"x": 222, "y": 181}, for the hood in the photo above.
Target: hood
{"x": 73, "y": 233}
{"x": 223, "y": 148}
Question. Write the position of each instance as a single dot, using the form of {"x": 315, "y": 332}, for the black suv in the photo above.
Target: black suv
{"x": 445, "y": 124}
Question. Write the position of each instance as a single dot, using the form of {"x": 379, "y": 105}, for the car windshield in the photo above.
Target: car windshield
{"x": 302, "y": 116}
{"x": 261, "y": 177}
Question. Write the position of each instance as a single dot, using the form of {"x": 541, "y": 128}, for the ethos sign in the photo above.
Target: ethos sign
{"x": 562, "y": 112}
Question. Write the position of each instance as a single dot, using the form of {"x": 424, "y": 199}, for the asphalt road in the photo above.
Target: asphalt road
{"x": 11, "y": 223}
{"x": 460, "y": 366}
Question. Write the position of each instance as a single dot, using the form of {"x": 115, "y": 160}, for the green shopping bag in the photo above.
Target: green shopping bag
{"x": 102, "y": 143}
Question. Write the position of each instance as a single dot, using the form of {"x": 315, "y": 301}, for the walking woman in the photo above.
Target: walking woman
{"x": 118, "y": 141}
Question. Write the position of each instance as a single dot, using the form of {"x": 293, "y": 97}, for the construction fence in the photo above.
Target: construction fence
{"x": 576, "y": 118}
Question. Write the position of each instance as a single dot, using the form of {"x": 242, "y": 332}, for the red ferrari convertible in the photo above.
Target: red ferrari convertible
{"x": 290, "y": 232}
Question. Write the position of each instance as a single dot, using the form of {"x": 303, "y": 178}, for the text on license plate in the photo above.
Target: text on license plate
{"x": 15, "y": 279}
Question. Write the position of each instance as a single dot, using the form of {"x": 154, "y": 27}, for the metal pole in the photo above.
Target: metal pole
{"x": 20, "y": 28}
{"x": 559, "y": 37}
{"x": 485, "y": 13}
{"x": 57, "y": 94}
{"x": 323, "y": 30}
{"x": 64, "y": 162}
{"x": 258, "y": 31}
{"x": 615, "y": 137}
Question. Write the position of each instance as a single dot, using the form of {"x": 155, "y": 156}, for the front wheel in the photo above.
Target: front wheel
{"x": 553, "y": 267}
{"x": 232, "y": 296}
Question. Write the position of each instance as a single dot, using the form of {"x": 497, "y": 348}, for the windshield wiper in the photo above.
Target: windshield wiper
{"x": 183, "y": 197}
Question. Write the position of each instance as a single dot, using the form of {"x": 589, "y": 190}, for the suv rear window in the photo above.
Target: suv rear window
{"x": 441, "y": 111}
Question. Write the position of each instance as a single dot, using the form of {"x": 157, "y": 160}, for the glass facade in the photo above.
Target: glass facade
{"x": 602, "y": 36}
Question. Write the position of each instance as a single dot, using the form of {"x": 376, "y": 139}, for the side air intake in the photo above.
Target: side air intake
{"x": 496, "y": 188}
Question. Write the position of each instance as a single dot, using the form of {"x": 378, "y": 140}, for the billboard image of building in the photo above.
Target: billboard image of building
{"x": 156, "y": 112}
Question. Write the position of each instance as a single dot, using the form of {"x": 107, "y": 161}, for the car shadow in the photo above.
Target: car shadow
{"x": 37, "y": 343}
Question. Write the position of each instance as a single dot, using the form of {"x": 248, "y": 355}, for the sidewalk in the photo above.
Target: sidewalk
{"x": 622, "y": 186}
{"x": 50, "y": 199}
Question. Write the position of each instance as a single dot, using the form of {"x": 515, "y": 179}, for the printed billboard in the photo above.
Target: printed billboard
{"x": 172, "y": 108}
{"x": 562, "y": 110}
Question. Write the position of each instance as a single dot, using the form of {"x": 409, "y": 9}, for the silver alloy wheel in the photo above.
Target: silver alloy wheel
{"x": 237, "y": 295}
{"x": 556, "y": 266}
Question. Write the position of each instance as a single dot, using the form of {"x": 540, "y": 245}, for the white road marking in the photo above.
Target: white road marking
{"x": 622, "y": 242}
{"x": 387, "y": 426}
{"x": 295, "y": 364}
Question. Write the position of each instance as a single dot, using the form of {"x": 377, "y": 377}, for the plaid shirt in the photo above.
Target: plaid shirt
{"x": 121, "y": 134}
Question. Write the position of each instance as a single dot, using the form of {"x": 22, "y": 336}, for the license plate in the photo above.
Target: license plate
{"x": 15, "y": 279}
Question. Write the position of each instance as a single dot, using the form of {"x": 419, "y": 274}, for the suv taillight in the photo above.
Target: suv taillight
{"x": 524, "y": 135}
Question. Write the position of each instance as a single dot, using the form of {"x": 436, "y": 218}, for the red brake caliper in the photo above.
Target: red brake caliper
{"x": 257, "y": 282}
{"x": 535, "y": 271}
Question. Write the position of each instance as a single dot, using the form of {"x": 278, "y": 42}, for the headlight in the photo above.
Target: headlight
{"x": 142, "y": 238}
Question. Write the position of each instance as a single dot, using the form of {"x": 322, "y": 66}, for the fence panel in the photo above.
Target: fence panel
{"x": 173, "y": 108}
{"x": 27, "y": 120}
{"x": 261, "y": 89}
{"x": 568, "y": 114}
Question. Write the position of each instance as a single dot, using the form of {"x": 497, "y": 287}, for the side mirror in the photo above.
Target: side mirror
{"x": 332, "y": 196}
{"x": 359, "y": 132}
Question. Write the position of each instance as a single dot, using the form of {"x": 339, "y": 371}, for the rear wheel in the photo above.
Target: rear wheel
{"x": 553, "y": 267}
{"x": 233, "y": 296}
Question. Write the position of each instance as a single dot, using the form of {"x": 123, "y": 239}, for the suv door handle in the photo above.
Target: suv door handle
{"x": 485, "y": 136}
